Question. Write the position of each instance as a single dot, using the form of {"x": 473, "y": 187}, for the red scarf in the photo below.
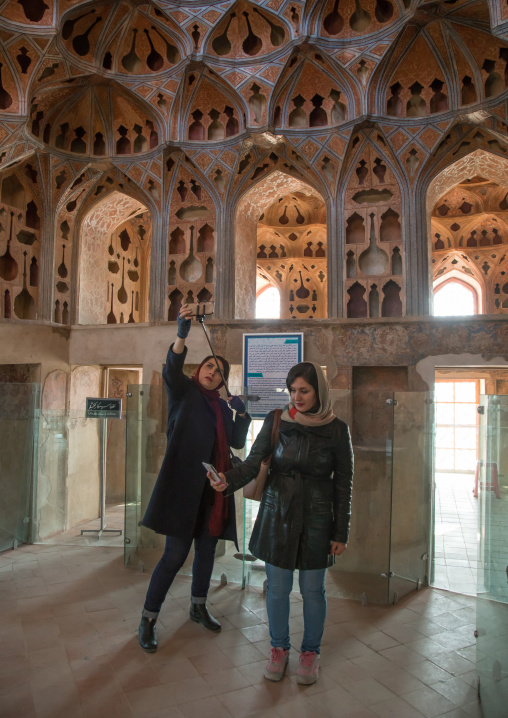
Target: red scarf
{"x": 220, "y": 458}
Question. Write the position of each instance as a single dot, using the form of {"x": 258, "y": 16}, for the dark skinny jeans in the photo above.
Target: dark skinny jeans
{"x": 173, "y": 558}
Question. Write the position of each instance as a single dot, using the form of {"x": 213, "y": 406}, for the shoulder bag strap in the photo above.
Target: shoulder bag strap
{"x": 275, "y": 426}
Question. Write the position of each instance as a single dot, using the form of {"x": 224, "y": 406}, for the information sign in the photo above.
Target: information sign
{"x": 267, "y": 358}
{"x": 103, "y": 408}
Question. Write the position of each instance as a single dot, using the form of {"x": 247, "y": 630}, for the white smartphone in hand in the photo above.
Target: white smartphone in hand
{"x": 213, "y": 472}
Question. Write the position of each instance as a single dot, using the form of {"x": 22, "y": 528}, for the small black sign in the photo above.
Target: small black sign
{"x": 103, "y": 408}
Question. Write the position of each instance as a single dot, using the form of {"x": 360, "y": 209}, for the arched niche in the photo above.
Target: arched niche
{"x": 212, "y": 112}
{"x": 114, "y": 239}
{"x": 258, "y": 216}
{"x": 467, "y": 246}
{"x": 92, "y": 116}
{"x": 447, "y": 61}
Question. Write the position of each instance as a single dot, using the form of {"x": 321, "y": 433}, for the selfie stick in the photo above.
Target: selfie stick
{"x": 201, "y": 320}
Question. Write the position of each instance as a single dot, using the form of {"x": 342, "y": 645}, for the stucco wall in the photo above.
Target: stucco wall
{"x": 360, "y": 355}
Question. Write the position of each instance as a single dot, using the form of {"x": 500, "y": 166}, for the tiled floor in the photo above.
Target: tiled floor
{"x": 456, "y": 531}
{"x": 68, "y": 648}
{"x": 113, "y": 520}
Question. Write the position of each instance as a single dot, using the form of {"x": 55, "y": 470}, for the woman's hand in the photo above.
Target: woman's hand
{"x": 337, "y": 548}
{"x": 184, "y": 324}
{"x": 217, "y": 485}
{"x": 184, "y": 321}
{"x": 237, "y": 404}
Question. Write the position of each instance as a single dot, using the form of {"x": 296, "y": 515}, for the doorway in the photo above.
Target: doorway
{"x": 456, "y": 509}
{"x": 456, "y": 504}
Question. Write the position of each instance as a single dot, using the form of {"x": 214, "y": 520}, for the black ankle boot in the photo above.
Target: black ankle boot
{"x": 199, "y": 614}
{"x": 147, "y": 635}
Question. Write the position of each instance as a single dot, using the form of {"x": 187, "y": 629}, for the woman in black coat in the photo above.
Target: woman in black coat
{"x": 303, "y": 519}
{"x": 183, "y": 506}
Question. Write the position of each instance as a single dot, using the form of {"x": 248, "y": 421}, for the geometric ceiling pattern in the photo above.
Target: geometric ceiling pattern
{"x": 113, "y": 78}
{"x": 187, "y": 106}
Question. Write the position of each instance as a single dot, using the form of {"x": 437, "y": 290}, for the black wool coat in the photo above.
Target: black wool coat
{"x": 177, "y": 495}
{"x": 306, "y": 503}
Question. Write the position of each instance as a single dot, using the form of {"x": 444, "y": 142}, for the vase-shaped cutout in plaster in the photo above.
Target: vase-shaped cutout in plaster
{"x": 373, "y": 260}
{"x": 191, "y": 269}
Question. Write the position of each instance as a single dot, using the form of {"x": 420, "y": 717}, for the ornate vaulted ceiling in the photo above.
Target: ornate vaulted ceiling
{"x": 320, "y": 122}
{"x": 123, "y": 78}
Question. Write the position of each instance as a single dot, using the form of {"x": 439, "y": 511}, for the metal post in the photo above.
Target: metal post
{"x": 102, "y": 511}
{"x": 103, "y": 475}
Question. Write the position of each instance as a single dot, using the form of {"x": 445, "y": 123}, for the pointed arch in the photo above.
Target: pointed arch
{"x": 464, "y": 66}
{"x": 334, "y": 97}
{"x": 70, "y": 118}
{"x": 305, "y": 211}
{"x": 257, "y": 164}
{"x": 471, "y": 283}
{"x": 110, "y": 245}
{"x": 478, "y": 162}
{"x": 476, "y": 257}
{"x": 209, "y": 110}
{"x": 401, "y": 87}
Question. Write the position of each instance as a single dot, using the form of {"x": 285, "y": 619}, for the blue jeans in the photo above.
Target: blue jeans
{"x": 312, "y": 588}
{"x": 173, "y": 558}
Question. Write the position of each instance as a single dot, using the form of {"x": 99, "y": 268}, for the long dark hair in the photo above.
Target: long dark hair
{"x": 224, "y": 362}
{"x": 307, "y": 372}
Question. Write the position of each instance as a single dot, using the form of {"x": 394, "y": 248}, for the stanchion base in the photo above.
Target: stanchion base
{"x": 99, "y": 532}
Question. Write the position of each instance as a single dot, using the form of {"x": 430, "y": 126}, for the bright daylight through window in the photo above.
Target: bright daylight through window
{"x": 454, "y": 299}
{"x": 268, "y": 304}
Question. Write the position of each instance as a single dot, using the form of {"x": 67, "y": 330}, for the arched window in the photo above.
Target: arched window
{"x": 268, "y": 303}
{"x": 455, "y": 297}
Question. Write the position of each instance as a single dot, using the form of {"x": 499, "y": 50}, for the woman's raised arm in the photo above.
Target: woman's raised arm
{"x": 184, "y": 325}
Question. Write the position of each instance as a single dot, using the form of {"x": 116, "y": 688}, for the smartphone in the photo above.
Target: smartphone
{"x": 202, "y": 309}
{"x": 213, "y": 472}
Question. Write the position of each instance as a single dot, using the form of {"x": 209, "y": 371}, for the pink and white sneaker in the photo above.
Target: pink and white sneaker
{"x": 308, "y": 669}
{"x": 276, "y": 665}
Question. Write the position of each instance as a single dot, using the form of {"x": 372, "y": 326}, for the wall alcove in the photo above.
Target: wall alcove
{"x": 281, "y": 241}
{"x": 468, "y": 219}
{"x": 114, "y": 264}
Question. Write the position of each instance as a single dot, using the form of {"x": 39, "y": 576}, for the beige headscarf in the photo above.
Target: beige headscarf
{"x": 324, "y": 414}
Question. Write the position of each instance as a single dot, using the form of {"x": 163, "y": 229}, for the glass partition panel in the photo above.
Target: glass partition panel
{"x": 68, "y": 506}
{"x": 412, "y": 453}
{"x": 492, "y": 603}
{"x": 51, "y": 502}
{"x": 19, "y": 417}
{"x": 145, "y": 446}
{"x": 362, "y": 572}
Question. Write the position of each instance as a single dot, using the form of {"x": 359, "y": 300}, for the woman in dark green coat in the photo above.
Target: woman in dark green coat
{"x": 303, "y": 519}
